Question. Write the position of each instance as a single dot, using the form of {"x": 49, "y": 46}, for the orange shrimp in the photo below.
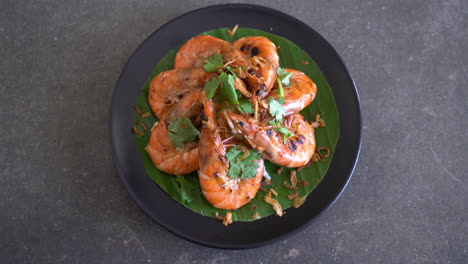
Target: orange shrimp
{"x": 165, "y": 156}
{"x": 295, "y": 152}
{"x": 196, "y": 50}
{"x": 217, "y": 187}
{"x": 263, "y": 63}
{"x": 298, "y": 94}
{"x": 168, "y": 87}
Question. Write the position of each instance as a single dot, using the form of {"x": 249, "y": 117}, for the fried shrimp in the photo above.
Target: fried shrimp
{"x": 163, "y": 153}
{"x": 196, "y": 50}
{"x": 298, "y": 94}
{"x": 168, "y": 87}
{"x": 294, "y": 152}
{"x": 224, "y": 111}
{"x": 218, "y": 188}
{"x": 263, "y": 63}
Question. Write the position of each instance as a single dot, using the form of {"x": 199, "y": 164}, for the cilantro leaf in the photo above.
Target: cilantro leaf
{"x": 248, "y": 166}
{"x": 239, "y": 95}
{"x": 229, "y": 68}
{"x": 253, "y": 155}
{"x": 211, "y": 86}
{"x": 280, "y": 129}
{"x": 286, "y": 133}
{"x": 245, "y": 107}
{"x": 233, "y": 156}
{"x": 233, "y": 153}
{"x": 213, "y": 63}
{"x": 227, "y": 87}
{"x": 274, "y": 123}
{"x": 276, "y": 109}
{"x": 234, "y": 171}
{"x": 244, "y": 168}
{"x": 284, "y": 75}
{"x": 181, "y": 130}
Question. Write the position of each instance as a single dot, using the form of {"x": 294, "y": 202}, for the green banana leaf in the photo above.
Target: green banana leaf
{"x": 186, "y": 189}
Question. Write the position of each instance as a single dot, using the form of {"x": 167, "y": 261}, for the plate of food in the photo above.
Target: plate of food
{"x": 233, "y": 126}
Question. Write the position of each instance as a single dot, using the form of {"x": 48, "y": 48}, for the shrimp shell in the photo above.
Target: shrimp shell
{"x": 217, "y": 187}
{"x": 298, "y": 94}
{"x": 263, "y": 63}
{"x": 168, "y": 87}
{"x": 298, "y": 148}
{"x": 196, "y": 50}
{"x": 165, "y": 156}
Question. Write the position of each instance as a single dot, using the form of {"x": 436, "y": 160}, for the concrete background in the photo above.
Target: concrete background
{"x": 61, "y": 199}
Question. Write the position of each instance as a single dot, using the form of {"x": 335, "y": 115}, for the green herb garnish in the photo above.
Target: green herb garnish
{"x": 242, "y": 168}
{"x": 280, "y": 88}
{"x": 274, "y": 123}
{"x": 213, "y": 63}
{"x": 211, "y": 86}
{"x": 245, "y": 107}
{"x": 229, "y": 68}
{"x": 181, "y": 130}
{"x": 284, "y": 75}
{"x": 286, "y": 133}
{"x": 276, "y": 109}
{"x": 280, "y": 129}
{"x": 227, "y": 87}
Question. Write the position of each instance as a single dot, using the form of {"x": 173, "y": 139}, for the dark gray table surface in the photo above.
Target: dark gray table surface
{"x": 61, "y": 199}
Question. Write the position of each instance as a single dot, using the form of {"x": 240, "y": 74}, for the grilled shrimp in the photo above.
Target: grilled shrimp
{"x": 295, "y": 152}
{"x": 217, "y": 187}
{"x": 168, "y": 87}
{"x": 196, "y": 50}
{"x": 298, "y": 94}
{"x": 263, "y": 63}
{"x": 163, "y": 153}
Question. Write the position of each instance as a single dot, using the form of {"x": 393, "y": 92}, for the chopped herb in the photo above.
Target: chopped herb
{"x": 276, "y": 109}
{"x": 286, "y": 133}
{"x": 242, "y": 168}
{"x": 233, "y": 153}
{"x": 245, "y": 107}
{"x": 284, "y": 75}
{"x": 213, "y": 63}
{"x": 238, "y": 93}
{"x": 234, "y": 171}
{"x": 280, "y": 88}
{"x": 227, "y": 87}
{"x": 181, "y": 130}
{"x": 229, "y": 68}
{"x": 274, "y": 123}
{"x": 211, "y": 86}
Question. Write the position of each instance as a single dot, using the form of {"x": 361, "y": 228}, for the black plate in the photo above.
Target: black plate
{"x": 168, "y": 212}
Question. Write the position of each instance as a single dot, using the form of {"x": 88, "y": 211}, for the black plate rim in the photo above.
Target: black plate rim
{"x": 281, "y": 236}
